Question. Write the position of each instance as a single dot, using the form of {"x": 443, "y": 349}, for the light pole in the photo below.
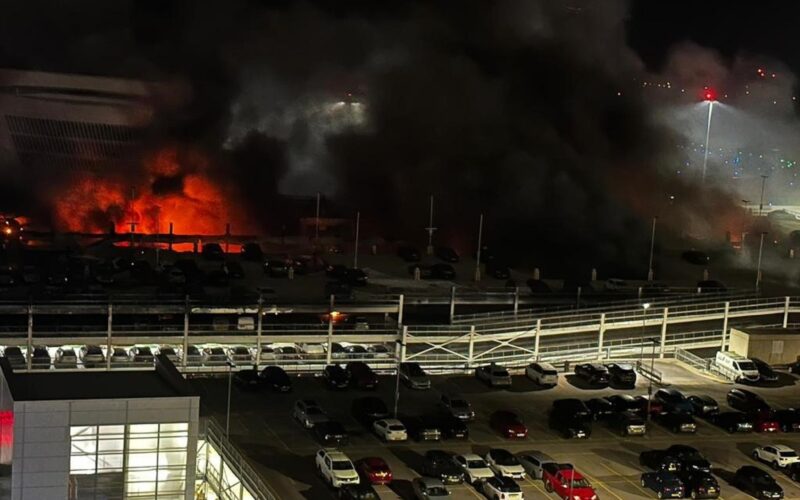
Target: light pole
{"x": 430, "y": 229}
{"x": 711, "y": 97}
{"x": 355, "y": 248}
{"x": 652, "y": 368}
{"x": 652, "y": 246}
{"x": 761, "y": 199}
{"x": 316, "y": 222}
{"x": 400, "y": 346}
{"x": 228, "y": 409}
{"x": 478, "y": 255}
{"x": 645, "y": 307}
{"x": 758, "y": 271}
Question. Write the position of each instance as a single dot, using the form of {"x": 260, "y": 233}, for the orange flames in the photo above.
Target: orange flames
{"x": 190, "y": 200}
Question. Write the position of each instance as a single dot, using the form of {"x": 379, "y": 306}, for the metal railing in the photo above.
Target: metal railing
{"x": 692, "y": 360}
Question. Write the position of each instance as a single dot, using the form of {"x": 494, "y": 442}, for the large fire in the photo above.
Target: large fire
{"x": 173, "y": 188}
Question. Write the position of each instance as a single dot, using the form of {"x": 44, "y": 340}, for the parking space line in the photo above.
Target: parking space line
{"x": 277, "y": 438}
{"x": 602, "y": 484}
{"x": 535, "y": 485}
{"x": 638, "y": 487}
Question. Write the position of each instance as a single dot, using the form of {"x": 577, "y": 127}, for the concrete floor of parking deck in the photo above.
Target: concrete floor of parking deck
{"x": 283, "y": 452}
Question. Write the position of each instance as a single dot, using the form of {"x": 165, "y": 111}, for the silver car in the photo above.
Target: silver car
{"x": 308, "y": 413}
{"x": 533, "y": 461}
{"x": 66, "y": 358}
{"x": 240, "y": 354}
{"x": 426, "y": 488}
{"x": 542, "y": 374}
{"x": 92, "y": 356}
{"x": 414, "y": 376}
{"x": 494, "y": 375}
{"x": 457, "y": 406}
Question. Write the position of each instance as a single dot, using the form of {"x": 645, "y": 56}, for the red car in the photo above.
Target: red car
{"x": 374, "y": 470}
{"x": 765, "y": 422}
{"x": 566, "y": 482}
{"x": 508, "y": 424}
{"x": 656, "y": 408}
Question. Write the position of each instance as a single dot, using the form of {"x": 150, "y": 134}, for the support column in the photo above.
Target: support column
{"x": 329, "y": 351}
{"x": 536, "y": 339}
{"x": 185, "y": 334}
{"x": 29, "y": 353}
{"x": 471, "y": 347}
{"x": 403, "y": 340}
{"x": 400, "y": 306}
{"x": 601, "y": 334}
{"x": 259, "y": 330}
{"x": 725, "y": 326}
{"x": 109, "y": 345}
{"x": 516, "y": 300}
{"x": 663, "y": 332}
{"x": 786, "y": 313}
{"x": 452, "y": 303}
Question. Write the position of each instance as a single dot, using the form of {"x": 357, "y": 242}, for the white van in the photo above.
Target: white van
{"x": 736, "y": 367}
{"x": 542, "y": 374}
{"x": 246, "y": 323}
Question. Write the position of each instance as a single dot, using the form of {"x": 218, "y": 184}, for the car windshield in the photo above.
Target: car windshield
{"x": 459, "y": 404}
{"x": 396, "y": 428}
{"x": 415, "y": 370}
{"x": 747, "y": 365}
{"x": 505, "y": 459}
{"x": 578, "y": 483}
{"x": 313, "y": 411}
{"x": 476, "y": 464}
{"x": 549, "y": 372}
{"x": 788, "y": 454}
{"x": 500, "y": 372}
{"x": 342, "y": 465}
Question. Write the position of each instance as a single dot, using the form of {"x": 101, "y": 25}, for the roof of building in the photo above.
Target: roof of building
{"x": 163, "y": 382}
{"x": 766, "y": 331}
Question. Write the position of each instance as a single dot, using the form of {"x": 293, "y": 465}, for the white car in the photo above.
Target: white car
{"x": 308, "y": 413}
{"x": 542, "y": 374}
{"x": 475, "y": 468}
{"x": 335, "y": 467}
{"x": 65, "y": 358}
{"x": 504, "y": 464}
{"x": 502, "y": 488}
{"x": 390, "y": 429}
{"x": 494, "y": 375}
{"x": 533, "y": 461}
{"x": 778, "y": 455}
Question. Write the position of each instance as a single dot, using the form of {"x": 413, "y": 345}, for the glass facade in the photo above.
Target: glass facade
{"x": 133, "y": 461}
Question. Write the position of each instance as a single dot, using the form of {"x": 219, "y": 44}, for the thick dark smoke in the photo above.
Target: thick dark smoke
{"x": 527, "y": 111}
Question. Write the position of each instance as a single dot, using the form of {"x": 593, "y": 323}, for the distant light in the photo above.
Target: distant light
{"x": 646, "y": 306}
{"x": 709, "y": 94}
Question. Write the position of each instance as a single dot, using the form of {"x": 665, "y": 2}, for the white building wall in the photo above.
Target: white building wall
{"x": 41, "y": 453}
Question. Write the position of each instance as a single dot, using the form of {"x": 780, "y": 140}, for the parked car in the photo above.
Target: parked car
{"x": 494, "y": 375}
{"x": 673, "y": 400}
{"x": 252, "y": 251}
{"x": 414, "y": 376}
{"x": 732, "y": 421}
{"x": 170, "y": 353}
{"x": 15, "y": 356}
{"x": 440, "y": 465}
{"x": 141, "y": 354}
{"x": 508, "y": 424}
{"x": 425, "y": 428}
{"x": 215, "y": 356}
{"x": 40, "y": 358}
{"x": 763, "y": 421}
{"x": 703, "y": 406}
{"x": 408, "y": 253}
{"x": 777, "y": 455}
{"x": 361, "y": 375}
{"x": 593, "y": 373}
{"x": 746, "y": 401}
{"x": 533, "y": 462}
{"x": 659, "y": 460}
{"x": 446, "y": 254}
{"x": 240, "y": 354}
{"x": 543, "y": 374}
{"x": 501, "y": 487}
{"x": 504, "y": 464}
{"x": 212, "y": 251}
{"x": 276, "y": 379}
{"x": 571, "y": 418}
{"x": 330, "y": 433}
{"x": 452, "y": 427}
{"x": 566, "y": 482}
{"x": 599, "y": 408}
{"x": 457, "y": 406}
{"x": 276, "y": 268}
{"x": 788, "y": 420}
{"x": 336, "y": 377}
{"x": 335, "y": 468}
{"x": 308, "y": 413}
{"x": 655, "y": 407}
{"x": 765, "y": 371}
{"x": 374, "y": 470}
{"x": 91, "y": 356}
{"x": 757, "y": 483}
{"x": 736, "y": 367}
{"x": 429, "y": 488}
{"x": 390, "y": 429}
{"x": 247, "y": 379}
{"x": 361, "y": 491}
{"x": 119, "y": 356}
{"x": 475, "y": 468}
{"x": 627, "y": 423}
{"x": 689, "y": 457}
{"x": 677, "y": 422}
{"x": 624, "y": 402}
{"x": 621, "y": 375}
{"x": 233, "y": 270}
{"x": 664, "y": 483}
{"x": 793, "y": 471}
{"x": 369, "y": 409}
{"x": 699, "y": 484}
{"x": 65, "y": 358}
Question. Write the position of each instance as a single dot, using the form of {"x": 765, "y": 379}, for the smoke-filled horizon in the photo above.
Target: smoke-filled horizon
{"x": 535, "y": 113}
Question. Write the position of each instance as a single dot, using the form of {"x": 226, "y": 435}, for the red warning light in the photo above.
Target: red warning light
{"x": 709, "y": 94}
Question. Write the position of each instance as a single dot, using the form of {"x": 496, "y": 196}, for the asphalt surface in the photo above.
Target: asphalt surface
{"x": 283, "y": 452}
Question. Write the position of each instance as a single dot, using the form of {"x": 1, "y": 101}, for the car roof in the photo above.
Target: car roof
{"x": 392, "y": 421}
{"x": 471, "y": 456}
{"x": 336, "y": 454}
{"x": 538, "y": 454}
{"x": 544, "y": 365}
{"x": 430, "y": 482}
{"x": 375, "y": 461}
{"x": 781, "y": 447}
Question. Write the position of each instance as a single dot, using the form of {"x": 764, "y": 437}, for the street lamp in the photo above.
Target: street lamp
{"x": 709, "y": 96}
{"x": 761, "y": 199}
{"x": 399, "y": 351}
{"x": 760, "y": 250}
{"x": 231, "y": 366}
{"x": 652, "y": 245}
{"x": 652, "y": 369}
{"x": 645, "y": 307}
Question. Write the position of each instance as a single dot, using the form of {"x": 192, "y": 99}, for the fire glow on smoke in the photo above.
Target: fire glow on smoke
{"x": 172, "y": 188}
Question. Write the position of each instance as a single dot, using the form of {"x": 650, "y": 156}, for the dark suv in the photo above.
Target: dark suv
{"x": 621, "y": 375}
{"x": 571, "y": 418}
